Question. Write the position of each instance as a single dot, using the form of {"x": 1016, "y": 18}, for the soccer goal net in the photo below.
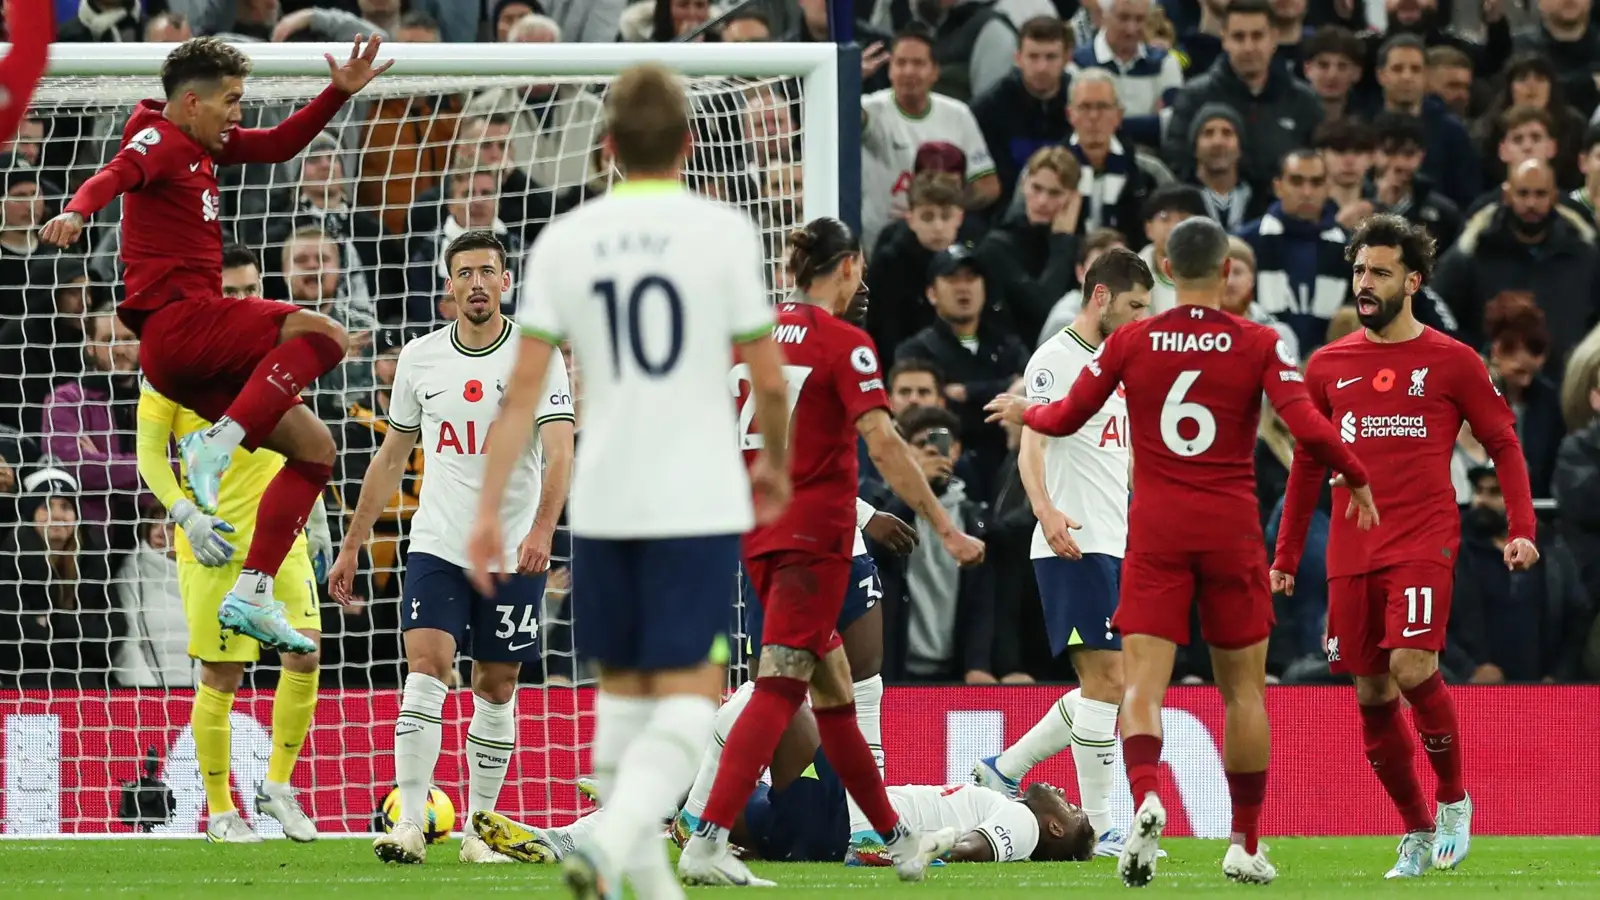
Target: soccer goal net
{"x": 96, "y": 684}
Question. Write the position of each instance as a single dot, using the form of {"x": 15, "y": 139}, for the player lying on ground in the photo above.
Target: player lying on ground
{"x": 239, "y": 363}
{"x": 1400, "y": 391}
{"x": 1194, "y": 376}
{"x": 31, "y": 26}
{"x": 206, "y": 568}
{"x": 800, "y": 564}
{"x": 447, "y": 388}
{"x": 1080, "y": 478}
{"x": 653, "y": 285}
{"x": 802, "y": 816}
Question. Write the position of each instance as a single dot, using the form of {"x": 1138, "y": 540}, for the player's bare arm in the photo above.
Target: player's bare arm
{"x": 1057, "y": 525}
{"x": 892, "y": 455}
{"x": 508, "y": 439}
{"x": 973, "y": 847}
{"x": 1486, "y": 413}
{"x": 769, "y": 475}
{"x": 381, "y": 480}
{"x": 886, "y": 529}
{"x": 556, "y": 439}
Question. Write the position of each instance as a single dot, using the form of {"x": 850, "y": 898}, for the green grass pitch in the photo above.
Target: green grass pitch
{"x": 1344, "y": 868}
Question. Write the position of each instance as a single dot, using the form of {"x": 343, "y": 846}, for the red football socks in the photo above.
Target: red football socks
{"x": 851, "y": 758}
{"x": 1249, "y": 791}
{"x": 1142, "y": 755}
{"x": 750, "y": 746}
{"x": 275, "y": 385}
{"x": 1434, "y": 714}
{"x": 1392, "y": 755}
{"x": 285, "y": 504}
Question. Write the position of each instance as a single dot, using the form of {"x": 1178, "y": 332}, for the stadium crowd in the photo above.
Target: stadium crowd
{"x": 1005, "y": 144}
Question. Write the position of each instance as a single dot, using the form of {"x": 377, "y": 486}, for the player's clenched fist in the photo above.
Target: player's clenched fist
{"x": 1521, "y": 554}
{"x": 63, "y": 230}
{"x": 964, "y": 548}
{"x": 1282, "y": 583}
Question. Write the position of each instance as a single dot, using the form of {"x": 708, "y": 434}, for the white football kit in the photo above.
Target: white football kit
{"x": 1008, "y": 825}
{"x": 451, "y": 394}
{"x": 651, "y": 285}
{"x": 889, "y": 142}
{"x": 1085, "y": 474}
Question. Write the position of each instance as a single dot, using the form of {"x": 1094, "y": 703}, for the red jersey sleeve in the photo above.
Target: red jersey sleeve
{"x": 283, "y": 141}
{"x": 1305, "y": 483}
{"x": 150, "y": 152}
{"x": 1093, "y": 386}
{"x": 32, "y": 27}
{"x": 856, "y": 377}
{"x": 1495, "y": 426}
{"x": 1286, "y": 388}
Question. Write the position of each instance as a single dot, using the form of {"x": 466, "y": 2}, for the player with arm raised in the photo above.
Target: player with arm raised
{"x": 800, "y": 564}
{"x": 30, "y": 26}
{"x": 447, "y": 387}
{"x": 651, "y": 285}
{"x": 1084, "y": 477}
{"x": 1399, "y": 392}
{"x": 239, "y": 363}
{"x": 1193, "y": 378}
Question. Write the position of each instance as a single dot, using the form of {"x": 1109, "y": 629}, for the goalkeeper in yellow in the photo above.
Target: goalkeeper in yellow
{"x": 207, "y": 568}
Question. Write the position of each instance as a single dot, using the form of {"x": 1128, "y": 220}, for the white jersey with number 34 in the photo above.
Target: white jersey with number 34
{"x": 651, "y": 285}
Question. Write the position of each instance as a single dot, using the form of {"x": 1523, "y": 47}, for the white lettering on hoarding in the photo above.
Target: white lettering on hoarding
{"x": 251, "y": 748}
{"x": 33, "y": 775}
{"x": 971, "y": 735}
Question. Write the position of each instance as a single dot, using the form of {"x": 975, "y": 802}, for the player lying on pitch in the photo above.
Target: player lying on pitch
{"x": 802, "y": 815}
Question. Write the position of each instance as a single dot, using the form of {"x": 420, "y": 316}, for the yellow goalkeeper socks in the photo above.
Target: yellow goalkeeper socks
{"x": 292, "y": 708}
{"x": 213, "y": 737}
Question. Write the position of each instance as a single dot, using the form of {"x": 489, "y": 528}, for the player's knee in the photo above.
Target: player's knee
{"x": 1412, "y": 667}
{"x": 222, "y": 676}
{"x": 315, "y": 444}
{"x": 305, "y": 663}
{"x": 787, "y": 662}
{"x": 431, "y": 666}
{"x": 1375, "y": 691}
{"x": 495, "y": 682}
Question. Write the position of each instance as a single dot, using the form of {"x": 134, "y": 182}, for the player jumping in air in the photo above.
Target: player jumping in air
{"x": 240, "y": 363}
{"x": 1194, "y": 377}
{"x": 1399, "y": 392}
{"x": 1081, "y": 477}
{"x": 447, "y": 389}
{"x": 32, "y": 27}
{"x": 651, "y": 284}
{"x": 800, "y": 564}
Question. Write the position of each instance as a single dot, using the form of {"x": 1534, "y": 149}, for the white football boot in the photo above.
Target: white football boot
{"x": 230, "y": 828}
{"x": 1137, "y": 865}
{"x": 406, "y": 844}
{"x": 1247, "y": 868}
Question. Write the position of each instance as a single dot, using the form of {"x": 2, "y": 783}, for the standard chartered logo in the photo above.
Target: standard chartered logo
{"x": 1347, "y": 428}
{"x": 1394, "y": 426}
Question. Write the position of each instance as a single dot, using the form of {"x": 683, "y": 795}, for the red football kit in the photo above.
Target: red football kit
{"x": 195, "y": 346}
{"x": 1400, "y": 408}
{"x": 800, "y": 564}
{"x": 31, "y": 28}
{"x": 1193, "y": 377}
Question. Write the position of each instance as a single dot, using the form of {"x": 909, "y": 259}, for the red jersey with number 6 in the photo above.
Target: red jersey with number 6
{"x": 1194, "y": 377}
{"x": 833, "y": 380}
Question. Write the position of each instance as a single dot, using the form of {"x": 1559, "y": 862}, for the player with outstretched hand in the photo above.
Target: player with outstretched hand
{"x": 240, "y": 363}
{"x": 1193, "y": 378}
{"x": 652, "y": 284}
{"x": 800, "y": 564}
{"x": 1399, "y": 392}
{"x": 31, "y": 27}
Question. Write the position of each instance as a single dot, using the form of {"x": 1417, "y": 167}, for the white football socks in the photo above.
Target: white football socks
{"x": 869, "y": 718}
{"x": 1051, "y": 735}
{"x": 617, "y": 722}
{"x": 1094, "y": 755}
{"x": 654, "y": 771}
{"x": 417, "y": 733}
{"x": 254, "y": 586}
{"x": 491, "y": 739}
{"x": 226, "y": 435}
{"x": 700, "y": 792}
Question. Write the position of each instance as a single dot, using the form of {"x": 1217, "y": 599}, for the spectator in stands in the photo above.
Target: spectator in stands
{"x": 1279, "y": 112}
{"x": 1530, "y": 80}
{"x": 747, "y": 25}
{"x": 55, "y": 611}
{"x": 103, "y": 21}
{"x": 318, "y": 23}
{"x": 483, "y": 144}
{"x": 1214, "y": 137}
{"x": 47, "y": 344}
{"x": 898, "y": 275}
{"x": 167, "y": 28}
{"x": 1147, "y": 78}
{"x": 310, "y": 264}
{"x": 90, "y": 424}
{"x": 938, "y": 618}
{"x": 1398, "y": 184}
{"x": 1289, "y": 25}
{"x": 1526, "y": 133}
{"x": 978, "y": 359}
{"x": 406, "y": 147}
{"x": 1425, "y": 19}
{"x": 1518, "y": 345}
{"x": 22, "y": 211}
{"x": 1066, "y": 309}
{"x": 1033, "y": 249}
{"x": 385, "y": 14}
{"x": 1199, "y": 45}
{"x": 18, "y": 457}
{"x": 1302, "y": 277}
{"x": 555, "y": 127}
{"x": 472, "y": 201}
{"x": 507, "y": 13}
{"x": 1576, "y": 485}
{"x": 1528, "y": 242}
{"x": 914, "y": 382}
{"x": 663, "y": 21}
{"x": 241, "y": 273}
{"x": 1302, "y": 618}
{"x": 1239, "y": 298}
{"x": 1347, "y": 146}
{"x": 27, "y": 144}
{"x": 1450, "y": 78}
{"x": 899, "y": 121}
{"x": 1027, "y": 109}
{"x": 154, "y": 649}
{"x": 1113, "y": 183}
{"x": 973, "y": 44}
{"x": 874, "y": 42}
{"x": 1451, "y": 161}
{"x": 260, "y": 20}
{"x": 1333, "y": 64}
{"x": 1566, "y": 36}
{"x": 1166, "y": 207}
{"x": 1583, "y": 199}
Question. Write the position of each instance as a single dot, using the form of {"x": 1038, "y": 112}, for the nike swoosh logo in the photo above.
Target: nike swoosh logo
{"x": 520, "y": 646}
{"x": 194, "y": 167}
{"x": 1346, "y": 382}
{"x": 432, "y": 395}
{"x": 1413, "y": 632}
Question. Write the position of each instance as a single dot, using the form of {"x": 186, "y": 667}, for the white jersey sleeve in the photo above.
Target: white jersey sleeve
{"x": 1012, "y": 830}
{"x": 557, "y": 402}
{"x": 980, "y": 161}
{"x": 405, "y": 409}
{"x": 541, "y": 317}
{"x": 749, "y": 313}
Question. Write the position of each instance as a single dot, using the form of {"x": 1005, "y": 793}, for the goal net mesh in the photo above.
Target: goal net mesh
{"x": 95, "y": 680}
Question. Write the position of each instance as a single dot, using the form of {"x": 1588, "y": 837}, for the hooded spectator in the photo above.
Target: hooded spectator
{"x": 1214, "y": 137}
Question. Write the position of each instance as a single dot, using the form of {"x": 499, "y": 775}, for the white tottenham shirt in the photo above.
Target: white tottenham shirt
{"x": 451, "y": 394}
{"x": 889, "y": 142}
{"x": 1085, "y": 474}
{"x": 1008, "y": 825}
{"x": 651, "y": 285}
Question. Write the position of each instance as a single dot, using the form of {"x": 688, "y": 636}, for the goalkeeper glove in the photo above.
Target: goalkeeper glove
{"x": 319, "y": 541}
{"x": 205, "y": 533}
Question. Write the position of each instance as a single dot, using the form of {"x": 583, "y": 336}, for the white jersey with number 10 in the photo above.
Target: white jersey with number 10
{"x": 650, "y": 285}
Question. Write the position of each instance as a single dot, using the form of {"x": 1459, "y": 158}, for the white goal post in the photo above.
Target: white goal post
{"x": 94, "y": 673}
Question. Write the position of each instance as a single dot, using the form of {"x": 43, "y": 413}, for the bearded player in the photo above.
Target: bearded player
{"x": 1400, "y": 391}
{"x": 800, "y": 564}
{"x": 1194, "y": 377}
{"x": 239, "y": 363}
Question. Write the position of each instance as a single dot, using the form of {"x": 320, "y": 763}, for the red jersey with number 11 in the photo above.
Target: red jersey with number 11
{"x": 1194, "y": 377}
{"x": 833, "y": 379}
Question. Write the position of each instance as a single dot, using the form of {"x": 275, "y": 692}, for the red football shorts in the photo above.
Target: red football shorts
{"x": 801, "y": 596}
{"x": 200, "y": 351}
{"x": 1159, "y": 591}
{"x": 1402, "y": 606}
